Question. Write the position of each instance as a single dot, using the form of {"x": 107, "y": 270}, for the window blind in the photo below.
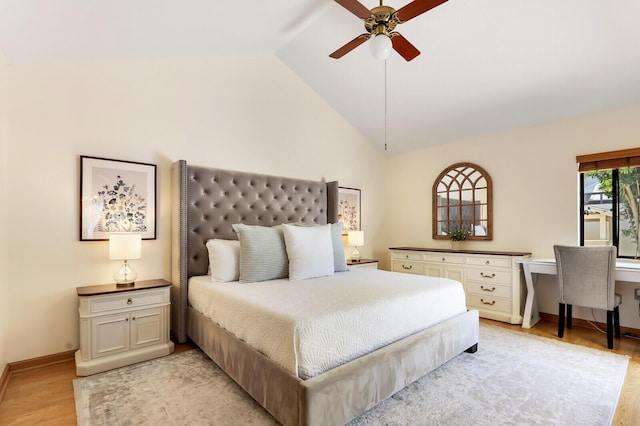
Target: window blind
{"x": 609, "y": 160}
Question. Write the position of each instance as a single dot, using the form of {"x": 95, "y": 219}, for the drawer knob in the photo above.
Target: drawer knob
{"x": 487, "y": 262}
{"x": 493, "y": 302}
{"x": 487, "y": 289}
{"x": 407, "y": 268}
{"x": 483, "y": 275}
{"x": 406, "y": 256}
{"x": 443, "y": 259}
{"x": 129, "y": 301}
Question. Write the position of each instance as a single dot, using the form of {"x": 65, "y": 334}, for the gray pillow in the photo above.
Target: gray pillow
{"x": 263, "y": 255}
{"x": 339, "y": 260}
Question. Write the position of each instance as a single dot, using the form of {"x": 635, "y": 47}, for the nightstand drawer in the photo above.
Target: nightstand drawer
{"x": 127, "y": 300}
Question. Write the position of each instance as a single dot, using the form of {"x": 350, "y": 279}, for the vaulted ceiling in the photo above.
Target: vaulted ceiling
{"x": 486, "y": 65}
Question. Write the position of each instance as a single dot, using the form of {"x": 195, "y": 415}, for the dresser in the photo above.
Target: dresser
{"x": 122, "y": 325}
{"x": 492, "y": 280}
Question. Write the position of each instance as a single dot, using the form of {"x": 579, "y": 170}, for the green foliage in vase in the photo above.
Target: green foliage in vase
{"x": 458, "y": 234}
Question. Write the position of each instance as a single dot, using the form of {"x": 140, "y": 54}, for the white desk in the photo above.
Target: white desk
{"x": 625, "y": 271}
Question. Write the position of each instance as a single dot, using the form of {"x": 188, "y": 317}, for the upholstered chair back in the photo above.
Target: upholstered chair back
{"x": 586, "y": 276}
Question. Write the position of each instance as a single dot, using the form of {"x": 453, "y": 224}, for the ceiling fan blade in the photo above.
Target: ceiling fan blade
{"x": 401, "y": 45}
{"x": 350, "y": 46}
{"x": 355, "y": 7}
{"x": 415, "y": 8}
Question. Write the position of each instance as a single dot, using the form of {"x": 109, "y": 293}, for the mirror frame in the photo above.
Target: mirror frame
{"x": 459, "y": 172}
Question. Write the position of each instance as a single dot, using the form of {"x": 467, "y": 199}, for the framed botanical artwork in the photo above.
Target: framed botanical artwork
{"x": 349, "y": 209}
{"x": 116, "y": 196}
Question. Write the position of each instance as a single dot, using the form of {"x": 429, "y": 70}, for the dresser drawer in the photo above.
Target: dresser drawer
{"x": 127, "y": 300}
{"x": 408, "y": 267}
{"x": 489, "y": 261}
{"x": 446, "y": 258}
{"x": 488, "y": 275}
{"x": 488, "y": 303}
{"x": 488, "y": 289}
{"x": 407, "y": 255}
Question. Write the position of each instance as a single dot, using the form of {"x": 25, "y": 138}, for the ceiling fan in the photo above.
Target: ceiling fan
{"x": 380, "y": 23}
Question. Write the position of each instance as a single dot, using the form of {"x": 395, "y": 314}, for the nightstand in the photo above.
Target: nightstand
{"x": 363, "y": 263}
{"x": 122, "y": 325}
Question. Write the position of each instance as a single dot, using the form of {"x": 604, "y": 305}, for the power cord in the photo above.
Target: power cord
{"x": 595, "y": 325}
{"x": 630, "y": 335}
{"x": 593, "y": 314}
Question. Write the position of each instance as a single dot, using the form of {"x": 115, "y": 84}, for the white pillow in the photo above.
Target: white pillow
{"x": 224, "y": 260}
{"x": 310, "y": 251}
{"x": 339, "y": 260}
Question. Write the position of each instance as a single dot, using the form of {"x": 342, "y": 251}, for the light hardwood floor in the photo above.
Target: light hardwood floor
{"x": 44, "y": 395}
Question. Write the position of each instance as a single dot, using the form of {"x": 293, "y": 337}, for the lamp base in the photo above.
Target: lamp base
{"x": 125, "y": 276}
{"x": 355, "y": 255}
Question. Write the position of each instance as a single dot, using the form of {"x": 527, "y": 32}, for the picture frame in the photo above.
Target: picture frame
{"x": 349, "y": 203}
{"x": 116, "y": 196}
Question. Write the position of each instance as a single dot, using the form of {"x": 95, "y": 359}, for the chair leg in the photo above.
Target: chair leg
{"x": 616, "y": 321}
{"x": 610, "y": 329}
{"x": 560, "y": 320}
{"x": 569, "y": 315}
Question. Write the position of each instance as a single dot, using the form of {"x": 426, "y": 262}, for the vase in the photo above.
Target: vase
{"x": 456, "y": 245}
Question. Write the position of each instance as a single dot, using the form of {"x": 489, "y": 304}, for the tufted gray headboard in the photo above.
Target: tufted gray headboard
{"x": 206, "y": 202}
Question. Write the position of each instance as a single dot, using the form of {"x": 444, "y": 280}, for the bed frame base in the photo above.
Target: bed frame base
{"x": 341, "y": 394}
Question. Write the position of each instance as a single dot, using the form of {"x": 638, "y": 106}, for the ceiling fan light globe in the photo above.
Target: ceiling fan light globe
{"x": 380, "y": 47}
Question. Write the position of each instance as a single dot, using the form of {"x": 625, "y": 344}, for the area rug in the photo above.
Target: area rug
{"x": 513, "y": 379}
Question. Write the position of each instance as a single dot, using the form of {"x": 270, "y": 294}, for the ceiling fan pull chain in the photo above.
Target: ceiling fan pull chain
{"x": 385, "y": 103}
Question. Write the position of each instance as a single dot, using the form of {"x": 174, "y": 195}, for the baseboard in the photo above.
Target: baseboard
{"x": 42, "y": 361}
{"x": 28, "y": 364}
{"x": 4, "y": 381}
{"x": 578, "y": 322}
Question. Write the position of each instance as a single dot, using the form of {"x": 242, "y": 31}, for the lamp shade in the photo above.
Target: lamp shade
{"x": 125, "y": 246}
{"x": 380, "y": 47}
{"x": 355, "y": 238}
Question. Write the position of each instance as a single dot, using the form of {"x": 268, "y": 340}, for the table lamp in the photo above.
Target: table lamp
{"x": 125, "y": 246}
{"x": 355, "y": 239}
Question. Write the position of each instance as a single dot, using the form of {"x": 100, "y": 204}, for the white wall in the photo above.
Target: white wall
{"x": 4, "y": 213}
{"x": 535, "y": 190}
{"x": 252, "y": 114}
{"x": 241, "y": 113}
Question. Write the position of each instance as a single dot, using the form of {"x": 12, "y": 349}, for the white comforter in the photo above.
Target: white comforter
{"x": 314, "y": 325}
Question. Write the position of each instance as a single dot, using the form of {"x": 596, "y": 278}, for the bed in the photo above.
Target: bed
{"x": 206, "y": 203}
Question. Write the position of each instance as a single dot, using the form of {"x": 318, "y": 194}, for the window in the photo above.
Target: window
{"x": 610, "y": 200}
{"x": 462, "y": 198}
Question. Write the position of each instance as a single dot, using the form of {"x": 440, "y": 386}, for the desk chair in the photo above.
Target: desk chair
{"x": 586, "y": 277}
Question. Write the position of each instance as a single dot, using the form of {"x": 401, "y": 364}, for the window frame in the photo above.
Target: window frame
{"x": 615, "y": 199}
{"x": 614, "y": 161}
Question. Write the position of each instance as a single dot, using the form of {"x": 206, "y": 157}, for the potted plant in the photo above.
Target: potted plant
{"x": 457, "y": 236}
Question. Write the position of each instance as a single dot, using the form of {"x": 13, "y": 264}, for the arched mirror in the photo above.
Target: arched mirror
{"x": 462, "y": 199}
